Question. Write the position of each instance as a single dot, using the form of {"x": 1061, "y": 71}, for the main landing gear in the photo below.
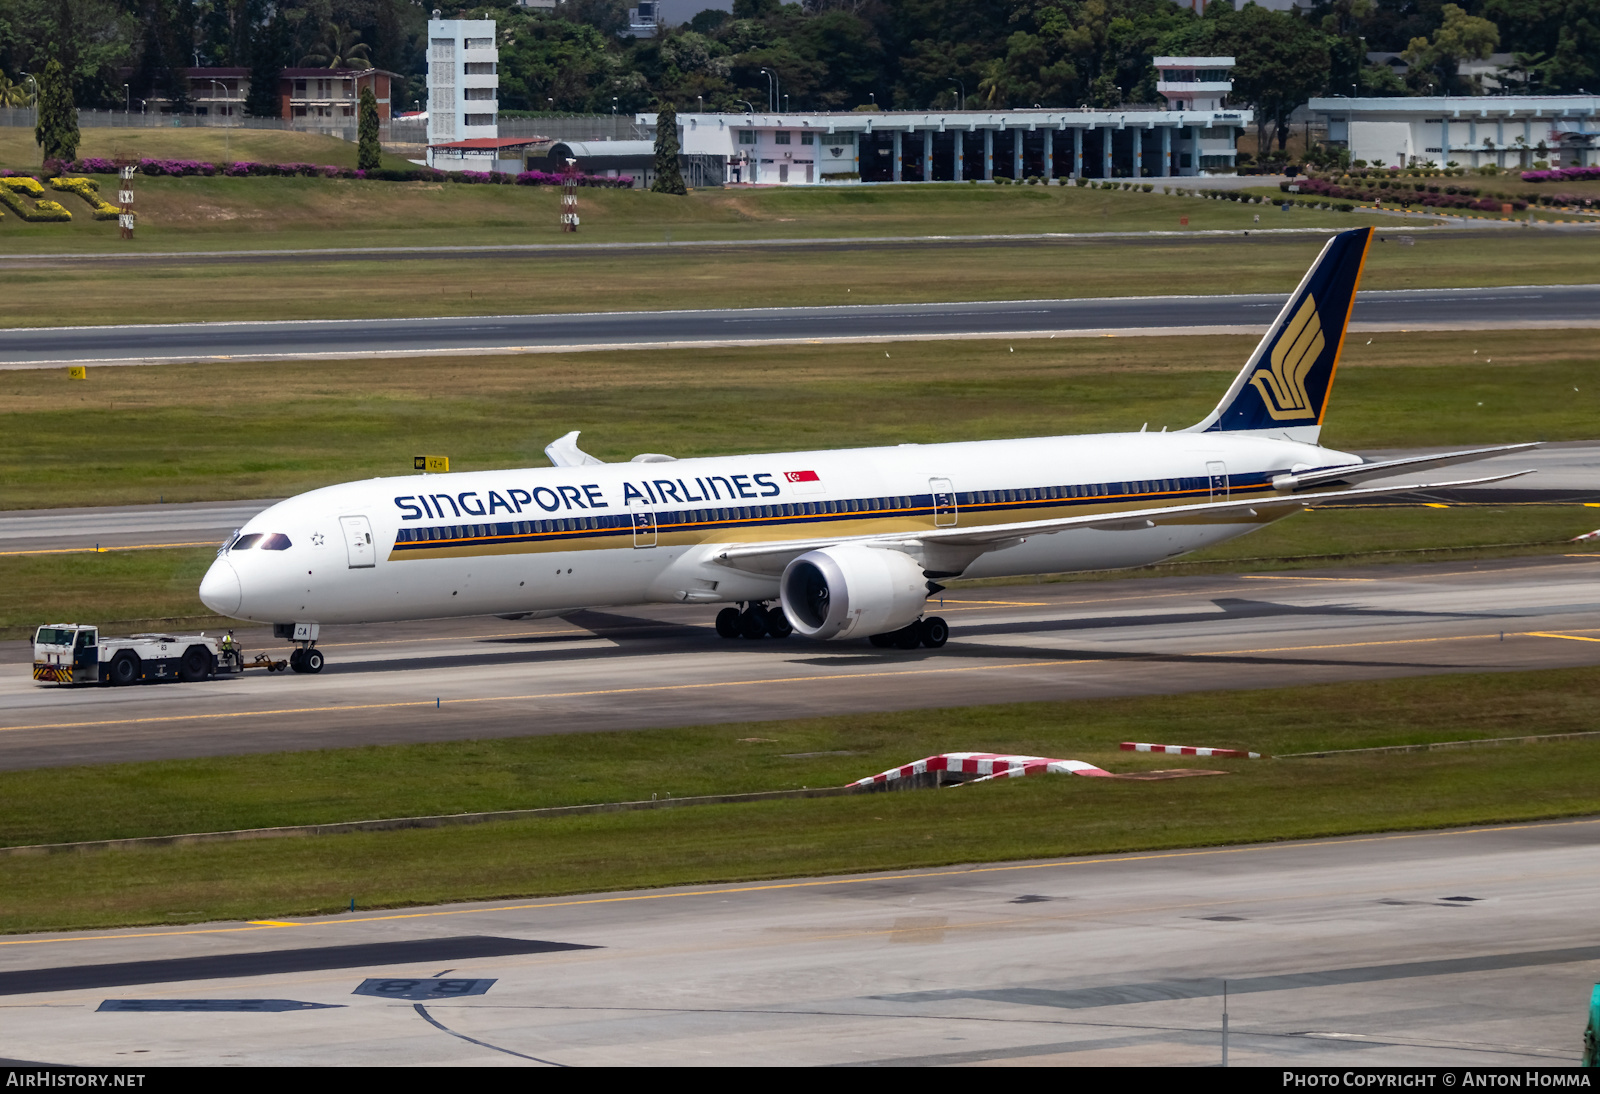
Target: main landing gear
{"x": 756, "y": 620}
{"x": 931, "y": 632}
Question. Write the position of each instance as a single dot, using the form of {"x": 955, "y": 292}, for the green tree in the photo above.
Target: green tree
{"x": 12, "y": 94}
{"x": 369, "y": 153}
{"x": 1280, "y": 61}
{"x": 267, "y": 51}
{"x": 1435, "y": 65}
{"x": 669, "y": 180}
{"x": 57, "y": 131}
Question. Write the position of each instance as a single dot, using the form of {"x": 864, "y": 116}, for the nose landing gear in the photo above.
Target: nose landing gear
{"x": 307, "y": 658}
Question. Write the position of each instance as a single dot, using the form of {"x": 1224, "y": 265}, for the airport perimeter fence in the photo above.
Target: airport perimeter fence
{"x": 570, "y": 127}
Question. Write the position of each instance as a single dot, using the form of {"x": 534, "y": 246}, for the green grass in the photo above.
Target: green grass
{"x": 208, "y": 432}
{"x": 749, "y": 277}
{"x": 220, "y": 214}
{"x": 19, "y": 151}
{"x": 1045, "y": 816}
{"x": 131, "y": 590}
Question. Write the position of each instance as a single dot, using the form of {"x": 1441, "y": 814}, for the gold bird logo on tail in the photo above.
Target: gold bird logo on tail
{"x": 1283, "y": 386}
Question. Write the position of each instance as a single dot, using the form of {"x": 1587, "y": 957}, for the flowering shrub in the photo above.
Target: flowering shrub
{"x": 21, "y": 195}
{"x": 1397, "y": 192}
{"x": 89, "y": 191}
{"x": 1562, "y": 174}
{"x": 179, "y": 168}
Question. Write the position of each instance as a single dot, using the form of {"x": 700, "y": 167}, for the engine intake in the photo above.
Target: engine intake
{"x": 852, "y": 592}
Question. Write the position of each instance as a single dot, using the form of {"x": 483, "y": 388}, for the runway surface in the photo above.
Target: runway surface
{"x": 1530, "y": 307}
{"x": 1459, "y": 948}
{"x": 1567, "y": 470}
{"x": 664, "y": 665}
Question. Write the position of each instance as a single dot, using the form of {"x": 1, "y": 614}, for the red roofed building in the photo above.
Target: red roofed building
{"x": 329, "y": 96}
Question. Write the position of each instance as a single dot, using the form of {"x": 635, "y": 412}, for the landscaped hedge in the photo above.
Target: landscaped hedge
{"x": 1562, "y": 174}
{"x": 97, "y": 166}
{"x": 22, "y": 194}
{"x": 1398, "y": 192}
{"x": 89, "y": 191}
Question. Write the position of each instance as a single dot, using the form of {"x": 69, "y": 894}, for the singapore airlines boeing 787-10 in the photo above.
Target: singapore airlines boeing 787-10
{"x": 844, "y": 544}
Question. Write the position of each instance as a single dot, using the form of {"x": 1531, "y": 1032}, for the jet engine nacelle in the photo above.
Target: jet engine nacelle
{"x": 851, "y": 591}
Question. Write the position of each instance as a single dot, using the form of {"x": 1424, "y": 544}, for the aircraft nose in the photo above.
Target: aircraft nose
{"x": 219, "y": 589}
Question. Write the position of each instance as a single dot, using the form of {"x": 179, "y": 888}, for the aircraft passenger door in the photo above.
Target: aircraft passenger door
{"x": 358, "y": 542}
{"x": 644, "y": 528}
{"x": 1217, "y": 471}
{"x": 944, "y": 503}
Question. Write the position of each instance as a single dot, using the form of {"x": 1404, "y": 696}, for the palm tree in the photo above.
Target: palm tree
{"x": 340, "y": 47}
{"x": 13, "y": 94}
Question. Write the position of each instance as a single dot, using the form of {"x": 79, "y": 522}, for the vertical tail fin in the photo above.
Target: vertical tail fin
{"x": 1283, "y": 388}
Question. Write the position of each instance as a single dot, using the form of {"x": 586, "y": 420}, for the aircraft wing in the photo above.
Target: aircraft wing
{"x": 1358, "y": 472}
{"x": 769, "y": 558}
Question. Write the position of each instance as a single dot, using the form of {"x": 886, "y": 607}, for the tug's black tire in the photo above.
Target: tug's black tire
{"x": 194, "y": 665}
{"x": 728, "y": 623}
{"x": 124, "y": 669}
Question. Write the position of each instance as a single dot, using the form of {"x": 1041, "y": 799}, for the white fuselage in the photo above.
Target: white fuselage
{"x": 548, "y": 540}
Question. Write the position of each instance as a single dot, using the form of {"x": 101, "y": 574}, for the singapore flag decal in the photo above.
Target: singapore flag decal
{"x": 804, "y": 482}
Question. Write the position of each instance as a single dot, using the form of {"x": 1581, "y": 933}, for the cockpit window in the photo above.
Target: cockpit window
{"x": 262, "y": 541}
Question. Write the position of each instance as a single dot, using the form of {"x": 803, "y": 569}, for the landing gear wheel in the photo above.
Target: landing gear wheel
{"x": 882, "y": 641}
{"x": 753, "y": 623}
{"x": 294, "y": 660}
{"x": 311, "y": 660}
{"x": 124, "y": 669}
{"x": 908, "y": 637}
{"x": 935, "y": 632}
{"x": 778, "y": 624}
{"x": 728, "y": 623}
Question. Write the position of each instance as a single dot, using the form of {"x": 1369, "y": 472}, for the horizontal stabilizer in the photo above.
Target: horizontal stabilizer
{"x": 1360, "y": 472}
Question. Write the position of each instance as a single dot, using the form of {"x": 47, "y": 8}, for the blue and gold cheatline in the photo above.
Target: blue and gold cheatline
{"x": 790, "y": 520}
{"x": 1291, "y": 371}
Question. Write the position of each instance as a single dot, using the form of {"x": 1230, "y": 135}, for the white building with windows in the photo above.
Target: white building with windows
{"x": 463, "y": 83}
{"x": 961, "y": 145}
{"x": 1507, "y": 131}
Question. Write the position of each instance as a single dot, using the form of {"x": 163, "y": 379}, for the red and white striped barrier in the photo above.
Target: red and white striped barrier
{"x": 991, "y": 765}
{"x": 1186, "y": 750}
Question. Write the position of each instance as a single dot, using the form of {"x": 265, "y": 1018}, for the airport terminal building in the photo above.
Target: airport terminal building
{"x": 958, "y": 145}
{"x": 1194, "y": 134}
{"x": 1507, "y": 131}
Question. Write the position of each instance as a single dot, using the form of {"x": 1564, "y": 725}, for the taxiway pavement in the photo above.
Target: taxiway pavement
{"x": 664, "y": 665}
{"x": 1516, "y": 307}
{"x": 1459, "y": 948}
